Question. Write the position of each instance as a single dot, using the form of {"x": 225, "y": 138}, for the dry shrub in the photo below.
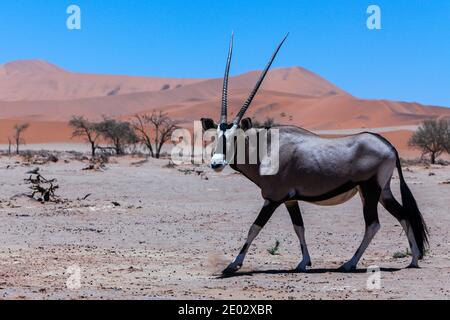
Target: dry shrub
{"x": 42, "y": 189}
{"x": 38, "y": 157}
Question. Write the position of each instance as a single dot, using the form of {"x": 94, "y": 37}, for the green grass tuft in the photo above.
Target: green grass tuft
{"x": 274, "y": 250}
{"x": 402, "y": 254}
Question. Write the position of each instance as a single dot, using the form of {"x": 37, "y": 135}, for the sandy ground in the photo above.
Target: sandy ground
{"x": 174, "y": 232}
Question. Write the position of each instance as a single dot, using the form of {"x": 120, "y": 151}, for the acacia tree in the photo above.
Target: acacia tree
{"x": 432, "y": 137}
{"x": 118, "y": 133}
{"x": 9, "y": 146}
{"x": 18, "y": 131}
{"x": 140, "y": 126}
{"x": 84, "y": 128}
{"x": 154, "y": 130}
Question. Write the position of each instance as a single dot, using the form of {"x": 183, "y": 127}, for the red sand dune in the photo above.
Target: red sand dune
{"x": 47, "y": 96}
{"x": 38, "y": 132}
{"x": 36, "y": 80}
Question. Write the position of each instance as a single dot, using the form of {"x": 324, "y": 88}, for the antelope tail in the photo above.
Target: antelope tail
{"x": 412, "y": 213}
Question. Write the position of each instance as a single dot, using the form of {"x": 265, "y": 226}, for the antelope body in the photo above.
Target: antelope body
{"x": 322, "y": 171}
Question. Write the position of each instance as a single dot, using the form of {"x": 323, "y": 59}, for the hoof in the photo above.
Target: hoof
{"x": 413, "y": 266}
{"x": 347, "y": 267}
{"x": 302, "y": 267}
{"x": 232, "y": 268}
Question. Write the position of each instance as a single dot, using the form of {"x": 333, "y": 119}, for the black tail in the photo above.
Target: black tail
{"x": 412, "y": 213}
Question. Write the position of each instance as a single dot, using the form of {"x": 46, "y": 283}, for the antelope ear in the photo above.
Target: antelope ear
{"x": 208, "y": 123}
{"x": 246, "y": 124}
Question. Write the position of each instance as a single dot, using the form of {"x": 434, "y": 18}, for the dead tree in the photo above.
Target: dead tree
{"x": 40, "y": 186}
{"x": 9, "y": 146}
{"x": 140, "y": 127}
{"x": 154, "y": 130}
{"x": 18, "y": 131}
{"x": 84, "y": 128}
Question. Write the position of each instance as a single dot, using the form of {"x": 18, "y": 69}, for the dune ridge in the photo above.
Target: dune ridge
{"x": 47, "y": 96}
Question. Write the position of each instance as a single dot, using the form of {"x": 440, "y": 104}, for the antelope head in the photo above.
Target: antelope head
{"x": 226, "y": 131}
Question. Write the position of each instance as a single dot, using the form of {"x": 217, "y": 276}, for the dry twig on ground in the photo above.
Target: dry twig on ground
{"x": 41, "y": 187}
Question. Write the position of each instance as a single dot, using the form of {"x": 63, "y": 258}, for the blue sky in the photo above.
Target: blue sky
{"x": 409, "y": 59}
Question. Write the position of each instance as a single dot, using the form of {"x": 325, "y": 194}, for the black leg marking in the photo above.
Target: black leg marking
{"x": 266, "y": 212}
{"x": 391, "y": 204}
{"x": 370, "y": 193}
{"x": 263, "y": 217}
{"x": 244, "y": 248}
{"x": 297, "y": 221}
{"x": 295, "y": 213}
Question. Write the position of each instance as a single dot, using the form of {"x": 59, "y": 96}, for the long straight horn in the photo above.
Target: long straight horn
{"x": 258, "y": 84}
{"x": 223, "y": 114}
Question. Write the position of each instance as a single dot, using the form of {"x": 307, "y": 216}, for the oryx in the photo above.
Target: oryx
{"x": 323, "y": 171}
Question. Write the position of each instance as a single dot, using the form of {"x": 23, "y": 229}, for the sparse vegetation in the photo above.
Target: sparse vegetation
{"x": 118, "y": 134}
{"x": 97, "y": 163}
{"x": 154, "y": 130}
{"x": 41, "y": 187}
{"x": 9, "y": 146}
{"x": 38, "y": 157}
{"x": 402, "y": 254}
{"x": 275, "y": 249}
{"x": 84, "y": 128}
{"x": 405, "y": 254}
{"x": 150, "y": 130}
{"x": 432, "y": 138}
{"x": 18, "y": 131}
{"x": 187, "y": 171}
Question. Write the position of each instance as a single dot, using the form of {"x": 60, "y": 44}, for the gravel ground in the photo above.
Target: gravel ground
{"x": 174, "y": 231}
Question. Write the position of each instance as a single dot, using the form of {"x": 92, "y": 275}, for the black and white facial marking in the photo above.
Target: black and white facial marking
{"x": 227, "y": 131}
{"x": 226, "y": 144}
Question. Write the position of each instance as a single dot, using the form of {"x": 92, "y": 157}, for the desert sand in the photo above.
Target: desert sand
{"x": 174, "y": 232}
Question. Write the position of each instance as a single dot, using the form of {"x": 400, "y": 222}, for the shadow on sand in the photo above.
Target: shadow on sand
{"x": 310, "y": 271}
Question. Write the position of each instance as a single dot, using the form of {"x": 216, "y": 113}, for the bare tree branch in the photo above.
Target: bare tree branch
{"x": 18, "y": 131}
{"x": 144, "y": 137}
{"x": 154, "y": 130}
{"x": 120, "y": 134}
{"x": 84, "y": 128}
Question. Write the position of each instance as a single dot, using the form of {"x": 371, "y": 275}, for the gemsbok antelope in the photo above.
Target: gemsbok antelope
{"x": 323, "y": 171}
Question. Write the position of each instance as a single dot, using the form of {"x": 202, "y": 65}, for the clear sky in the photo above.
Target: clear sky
{"x": 408, "y": 59}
